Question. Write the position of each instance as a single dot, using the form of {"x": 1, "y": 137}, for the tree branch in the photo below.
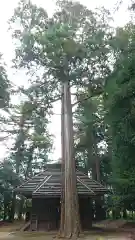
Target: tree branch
{"x": 100, "y": 91}
{"x": 85, "y": 99}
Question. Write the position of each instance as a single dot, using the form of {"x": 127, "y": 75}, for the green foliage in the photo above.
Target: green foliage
{"x": 90, "y": 134}
{"x": 4, "y": 85}
{"x": 72, "y": 45}
{"x": 8, "y": 181}
{"x": 32, "y": 140}
{"x": 119, "y": 99}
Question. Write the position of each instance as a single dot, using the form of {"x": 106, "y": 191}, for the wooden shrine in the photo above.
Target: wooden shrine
{"x": 45, "y": 191}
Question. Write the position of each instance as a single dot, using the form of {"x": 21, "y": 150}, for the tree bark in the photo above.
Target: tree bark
{"x": 61, "y": 231}
{"x": 5, "y": 212}
{"x": 13, "y": 207}
{"x": 71, "y": 207}
{"x": 124, "y": 213}
{"x": 100, "y": 212}
{"x": 29, "y": 164}
{"x": 20, "y": 208}
{"x": 97, "y": 162}
{"x": 6, "y": 206}
{"x": 20, "y": 145}
{"x": 94, "y": 176}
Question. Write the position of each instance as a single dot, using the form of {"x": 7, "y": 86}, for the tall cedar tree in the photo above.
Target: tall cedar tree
{"x": 71, "y": 49}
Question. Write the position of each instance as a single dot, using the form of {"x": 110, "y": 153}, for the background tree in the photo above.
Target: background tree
{"x": 26, "y": 126}
{"x": 91, "y": 146}
{"x": 4, "y": 85}
{"x": 119, "y": 102}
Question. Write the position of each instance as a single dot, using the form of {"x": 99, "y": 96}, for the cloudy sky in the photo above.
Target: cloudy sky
{"x": 7, "y": 48}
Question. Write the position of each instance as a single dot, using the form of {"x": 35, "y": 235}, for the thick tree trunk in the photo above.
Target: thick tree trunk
{"x": 71, "y": 213}
{"x": 116, "y": 213}
{"x": 20, "y": 145}
{"x": 100, "y": 211}
{"x": 29, "y": 164}
{"x": 20, "y": 208}
{"x": 61, "y": 232}
{"x": 94, "y": 177}
{"x": 13, "y": 207}
{"x": 124, "y": 213}
{"x": 5, "y": 212}
{"x": 97, "y": 162}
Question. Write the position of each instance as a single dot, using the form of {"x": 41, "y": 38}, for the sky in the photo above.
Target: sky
{"x": 121, "y": 17}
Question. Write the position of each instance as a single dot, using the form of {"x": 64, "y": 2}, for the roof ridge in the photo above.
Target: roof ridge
{"x": 81, "y": 181}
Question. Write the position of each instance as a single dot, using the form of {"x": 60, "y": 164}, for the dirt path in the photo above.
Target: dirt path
{"x": 10, "y": 232}
{"x": 7, "y": 236}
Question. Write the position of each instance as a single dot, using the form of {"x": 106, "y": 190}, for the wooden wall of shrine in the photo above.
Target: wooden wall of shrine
{"x": 85, "y": 206}
{"x": 46, "y": 213}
